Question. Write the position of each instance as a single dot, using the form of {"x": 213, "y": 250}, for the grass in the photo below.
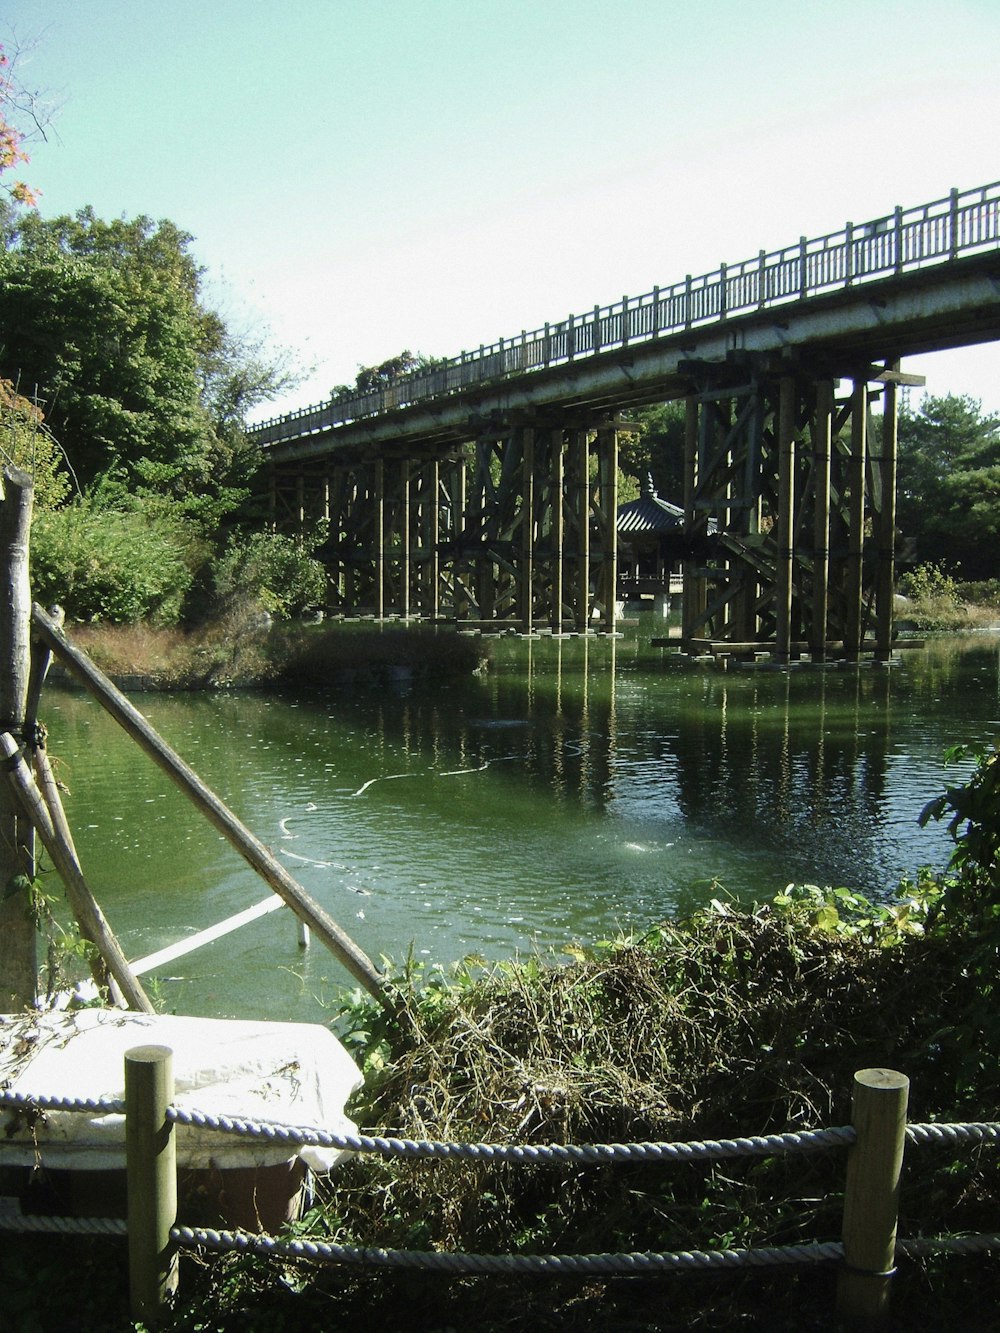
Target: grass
{"x": 246, "y": 653}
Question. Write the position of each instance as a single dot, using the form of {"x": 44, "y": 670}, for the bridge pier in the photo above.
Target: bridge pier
{"x": 789, "y": 509}
{"x": 515, "y": 529}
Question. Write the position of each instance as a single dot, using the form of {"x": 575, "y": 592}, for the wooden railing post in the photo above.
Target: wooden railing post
{"x": 151, "y": 1167}
{"x": 871, "y": 1199}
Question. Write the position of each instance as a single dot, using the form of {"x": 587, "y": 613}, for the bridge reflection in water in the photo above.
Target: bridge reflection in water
{"x": 582, "y": 786}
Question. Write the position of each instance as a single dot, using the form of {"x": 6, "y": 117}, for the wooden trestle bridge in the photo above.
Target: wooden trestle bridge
{"x": 484, "y": 490}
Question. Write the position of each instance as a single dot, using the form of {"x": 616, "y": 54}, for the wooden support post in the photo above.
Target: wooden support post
{"x": 785, "y": 519}
{"x": 18, "y": 930}
{"x": 434, "y": 557}
{"x": 694, "y": 584}
{"x": 885, "y": 524}
{"x": 583, "y": 520}
{"x": 151, "y": 1168}
{"x": 527, "y": 572}
{"x": 871, "y": 1199}
{"x": 856, "y": 523}
{"x": 608, "y": 454}
{"x": 822, "y": 444}
{"x": 406, "y": 572}
{"x": 379, "y": 538}
{"x": 556, "y": 489}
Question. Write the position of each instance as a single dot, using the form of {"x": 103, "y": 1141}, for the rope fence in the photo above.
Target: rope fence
{"x": 866, "y": 1254}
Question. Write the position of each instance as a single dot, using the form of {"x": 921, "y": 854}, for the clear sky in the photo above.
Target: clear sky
{"x": 363, "y": 176}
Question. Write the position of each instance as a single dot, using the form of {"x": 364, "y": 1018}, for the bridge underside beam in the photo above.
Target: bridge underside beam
{"x": 789, "y": 510}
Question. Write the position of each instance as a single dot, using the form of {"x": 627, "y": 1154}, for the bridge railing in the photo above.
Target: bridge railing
{"x": 906, "y": 239}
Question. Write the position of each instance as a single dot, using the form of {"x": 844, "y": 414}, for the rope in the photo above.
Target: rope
{"x": 608, "y": 1264}
{"x": 30, "y": 1101}
{"x": 810, "y": 1140}
{"x": 973, "y": 1133}
{"x": 12, "y": 1219}
{"x": 587, "y": 1154}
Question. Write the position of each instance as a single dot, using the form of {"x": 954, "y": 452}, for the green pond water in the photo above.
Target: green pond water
{"x": 581, "y": 787}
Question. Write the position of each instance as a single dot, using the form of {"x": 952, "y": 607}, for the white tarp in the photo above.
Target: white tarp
{"x": 295, "y": 1073}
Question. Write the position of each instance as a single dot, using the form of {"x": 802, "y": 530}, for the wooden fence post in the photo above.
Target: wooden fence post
{"x": 871, "y": 1199}
{"x": 151, "y": 1164}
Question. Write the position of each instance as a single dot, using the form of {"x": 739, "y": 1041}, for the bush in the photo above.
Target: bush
{"x": 928, "y": 583}
{"x": 275, "y": 571}
{"x": 104, "y": 564}
{"x": 984, "y": 593}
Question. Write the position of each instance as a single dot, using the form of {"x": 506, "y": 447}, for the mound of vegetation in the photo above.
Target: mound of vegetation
{"x": 731, "y": 1023}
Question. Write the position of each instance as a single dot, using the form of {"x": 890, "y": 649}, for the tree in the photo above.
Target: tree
{"x": 658, "y": 450}
{"x": 104, "y": 322}
{"x": 949, "y": 484}
{"x": 371, "y": 378}
{"x": 21, "y": 118}
{"x": 26, "y": 443}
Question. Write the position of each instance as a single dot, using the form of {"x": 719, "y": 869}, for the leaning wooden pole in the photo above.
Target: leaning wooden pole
{"x": 219, "y": 815}
{"x": 18, "y": 931}
{"x": 93, "y": 926}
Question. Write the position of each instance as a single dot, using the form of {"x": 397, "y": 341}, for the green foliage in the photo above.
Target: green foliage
{"x": 275, "y": 571}
{"x": 105, "y": 324}
{"x": 972, "y": 809}
{"x": 949, "y": 483}
{"x": 850, "y": 915}
{"x": 930, "y": 581}
{"x": 111, "y": 565}
{"x": 26, "y": 443}
{"x": 386, "y": 373}
{"x": 658, "y": 450}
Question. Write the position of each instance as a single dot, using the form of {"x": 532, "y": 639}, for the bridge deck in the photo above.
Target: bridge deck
{"x": 918, "y": 280}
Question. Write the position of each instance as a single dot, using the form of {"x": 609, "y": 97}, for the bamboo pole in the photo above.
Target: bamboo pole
{"x": 93, "y": 926}
{"x": 871, "y": 1198}
{"x": 151, "y": 1169}
{"x": 219, "y": 815}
